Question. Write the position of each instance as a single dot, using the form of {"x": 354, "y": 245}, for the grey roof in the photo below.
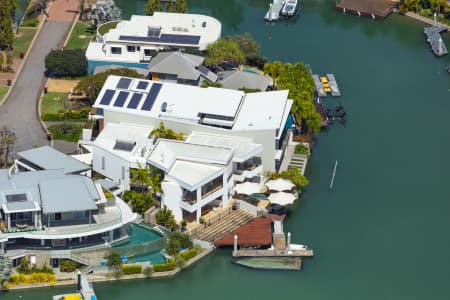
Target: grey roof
{"x": 48, "y": 158}
{"x": 70, "y": 193}
{"x": 239, "y": 79}
{"x": 104, "y": 68}
{"x": 184, "y": 65}
{"x": 107, "y": 184}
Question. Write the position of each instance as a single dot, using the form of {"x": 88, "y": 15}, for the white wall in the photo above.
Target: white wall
{"x": 264, "y": 137}
{"x": 113, "y": 166}
{"x": 172, "y": 196}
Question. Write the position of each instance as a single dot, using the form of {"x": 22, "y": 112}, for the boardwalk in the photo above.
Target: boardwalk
{"x": 372, "y": 8}
{"x": 425, "y": 20}
{"x": 19, "y": 111}
{"x": 270, "y": 253}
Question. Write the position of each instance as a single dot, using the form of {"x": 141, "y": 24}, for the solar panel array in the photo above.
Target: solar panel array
{"x": 135, "y": 100}
{"x": 181, "y": 39}
{"x": 124, "y": 83}
{"x": 121, "y": 98}
{"x": 151, "y": 96}
{"x": 142, "y": 85}
{"x": 107, "y": 97}
{"x": 202, "y": 69}
{"x": 16, "y": 197}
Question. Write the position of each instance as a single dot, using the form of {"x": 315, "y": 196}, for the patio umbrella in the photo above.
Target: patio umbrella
{"x": 247, "y": 188}
{"x": 279, "y": 184}
{"x": 282, "y": 198}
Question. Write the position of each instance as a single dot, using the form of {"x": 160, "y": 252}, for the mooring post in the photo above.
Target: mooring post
{"x": 235, "y": 244}
{"x": 289, "y": 240}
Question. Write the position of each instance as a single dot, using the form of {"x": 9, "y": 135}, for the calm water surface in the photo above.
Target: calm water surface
{"x": 382, "y": 232}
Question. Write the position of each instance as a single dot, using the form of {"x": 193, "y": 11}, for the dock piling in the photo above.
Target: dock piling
{"x": 334, "y": 174}
{"x": 288, "y": 246}
{"x": 235, "y": 244}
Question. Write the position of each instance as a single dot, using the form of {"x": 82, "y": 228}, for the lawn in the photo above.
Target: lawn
{"x": 3, "y": 91}
{"x": 69, "y": 132}
{"x": 104, "y": 28}
{"x": 23, "y": 41}
{"x": 53, "y": 103}
{"x": 81, "y": 35}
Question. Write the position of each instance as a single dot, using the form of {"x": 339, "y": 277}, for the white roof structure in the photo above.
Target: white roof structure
{"x": 190, "y": 164}
{"x": 228, "y": 109}
{"x": 280, "y": 185}
{"x": 171, "y": 29}
{"x": 247, "y": 188}
{"x": 243, "y": 148}
{"x": 282, "y": 198}
{"x": 129, "y": 142}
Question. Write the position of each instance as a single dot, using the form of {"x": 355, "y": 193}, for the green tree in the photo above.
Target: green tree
{"x": 164, "y": 217}
{"x": 224, "y": 50}
{"x": 166, "y": 133}
{"x": 177, "y": 241}
{"x": 412, "y": 5}
{"x": 170, "y": 7}
{"x": 114, "y": 260}
{"x": 152, "y": 6}
{"x": 273, "y": 69}
{"x": 7, "y": 10}
{"x": 292, "y": 174}
{"x": 181, "y": 6}
{"x": 247, "y": 44}
{"x": 140, "y": 177}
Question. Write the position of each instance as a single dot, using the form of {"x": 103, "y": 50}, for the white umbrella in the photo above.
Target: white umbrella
{"x": 279, "y": 184}
{"x": 247, "y": 188}
{"x": 282, "y": 198}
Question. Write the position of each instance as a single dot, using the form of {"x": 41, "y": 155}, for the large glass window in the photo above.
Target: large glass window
{"x": 116, "y": 50}
{"x": 131, "y": 48}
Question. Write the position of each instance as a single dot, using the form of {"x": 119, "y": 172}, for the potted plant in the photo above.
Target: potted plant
{"x": 87, "y": 130}
{"x": 9, "y": 82}
{"x": 22, "y": 54}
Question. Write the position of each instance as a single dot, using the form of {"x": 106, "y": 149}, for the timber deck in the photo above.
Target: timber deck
{"x": 376, "y": 9}
{"x": 273, "y": 253}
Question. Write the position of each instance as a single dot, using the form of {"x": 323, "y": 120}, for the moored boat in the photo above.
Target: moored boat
{"x": 289, "y": 8}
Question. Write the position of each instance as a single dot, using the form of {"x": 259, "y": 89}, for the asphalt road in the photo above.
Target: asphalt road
{"x": 19, "y": 111}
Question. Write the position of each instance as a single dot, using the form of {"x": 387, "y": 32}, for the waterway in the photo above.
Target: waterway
{"x": 382, "y": 231}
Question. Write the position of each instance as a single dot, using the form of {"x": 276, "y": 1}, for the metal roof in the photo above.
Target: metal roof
{"x": 48, "y": 158}
{"x": 240, "y": 79}
{"x": 68, "y": 194}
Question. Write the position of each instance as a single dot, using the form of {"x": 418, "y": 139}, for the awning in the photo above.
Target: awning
{"x": 282, "y": 198}
{"x": 247, "y": 188}
{"x": 280, "y": 185}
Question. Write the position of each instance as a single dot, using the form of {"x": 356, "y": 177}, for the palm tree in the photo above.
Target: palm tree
{"x": 140, "y": 177}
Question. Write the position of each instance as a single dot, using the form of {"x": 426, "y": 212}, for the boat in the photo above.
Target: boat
{"x": 289, "y": 8}
{"x": 84, "y": 291}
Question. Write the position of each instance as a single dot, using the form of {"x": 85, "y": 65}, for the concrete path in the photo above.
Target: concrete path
{"x": 19, "y": 111}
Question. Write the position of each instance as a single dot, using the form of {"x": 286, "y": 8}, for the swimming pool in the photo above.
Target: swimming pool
{"x": 248, "y": 70}
{"x": 138, "y": 234}
{"x": 154, "y": 258}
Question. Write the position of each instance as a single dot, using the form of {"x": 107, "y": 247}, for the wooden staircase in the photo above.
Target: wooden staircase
{"x": 226, "y": 225}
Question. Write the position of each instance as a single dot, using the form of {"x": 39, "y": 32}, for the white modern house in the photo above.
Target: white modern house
{"x": 131, "y": 42}
{"x": 119, "y": 148}
{"x": 51, "y": 210}
{"x": 262, "y": 118}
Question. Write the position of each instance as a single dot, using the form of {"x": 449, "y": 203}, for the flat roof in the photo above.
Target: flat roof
{"x": 191, "y": 173}
{"x": 48, "y": 158}
{"x": 228, "y": 109}
{"x": 206, "y": 28}
{"x": 243, "y": 148}
{"x": 67, "y": 194}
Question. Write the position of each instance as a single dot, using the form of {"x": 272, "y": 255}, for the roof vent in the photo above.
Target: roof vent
{"x": 164, "y": 107}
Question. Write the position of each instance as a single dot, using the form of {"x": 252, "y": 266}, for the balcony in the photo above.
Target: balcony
{"x": 212, "y": 187}
{"x": 248, "y": 169}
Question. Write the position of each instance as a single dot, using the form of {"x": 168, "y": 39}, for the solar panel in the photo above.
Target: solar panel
{"x": 151, "y": 96}
{"x": 121, "y": 98}
{"x": 124, "y": 145}
{"x": 182, "y": 39}
{"x": 202, "y": 69}
{"x": 16, "y": 197}
{"x": 107, "y": 96}
{"x": 123, "y": 83}
{"x": 134, "y": 102}
{"x": 142, "y": 85}
{"x": 154, "y": 31}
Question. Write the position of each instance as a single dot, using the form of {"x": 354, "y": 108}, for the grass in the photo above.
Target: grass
{"x": 53, "y": 103}
{"x": 69, "y": 132}
{"x": 80, "y": 29}
{"x": 22, "y": 42}
{"x": 106, "y": 27}
{"x": 3, "y": 91}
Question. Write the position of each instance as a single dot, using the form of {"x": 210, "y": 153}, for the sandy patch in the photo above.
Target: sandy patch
{"x": 61, "y": 85}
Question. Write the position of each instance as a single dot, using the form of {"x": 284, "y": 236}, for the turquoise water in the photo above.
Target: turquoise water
{"x": 92, "y": 64}
{"x": 154, "y": 258}
{"x": 258, "y": 196}
{"x": 137, "y": 235}
{"x": 249, "y": 71}
{"x": 381, "y": 232}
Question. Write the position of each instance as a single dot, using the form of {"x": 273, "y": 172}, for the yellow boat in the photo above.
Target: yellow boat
{"x": 326, "y": 85}
{"x": 324, "y": 79}
{"x": 328, "y": 90}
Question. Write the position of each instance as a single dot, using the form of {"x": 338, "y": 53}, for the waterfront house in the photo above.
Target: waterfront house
{"x": 180, "y": 67}
{"x": 48, "y": 158}
{"x": 50, "y": 210}
{"x": 262, "y": 117}
{"x": 132, "y": 43}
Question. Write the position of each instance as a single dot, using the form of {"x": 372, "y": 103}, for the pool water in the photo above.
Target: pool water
{"x": 250, "y": 71}
{"x": 137, "y": 235}
{"x": 154, "y": 258}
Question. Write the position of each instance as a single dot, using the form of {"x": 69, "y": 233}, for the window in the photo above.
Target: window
{"x": 138, "y": 48}
{"x": 123, "y": 173}
{"x": 131, "y": 48}
{"x": 103, "y": 162}
{"x": 116, "y": 50}
{"x": 58, "y": 216}
{"x": 78, "y": 214}
{"x": 147, "y": 52}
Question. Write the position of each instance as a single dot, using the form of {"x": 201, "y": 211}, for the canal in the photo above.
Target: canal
{"x": 381, "y": 232}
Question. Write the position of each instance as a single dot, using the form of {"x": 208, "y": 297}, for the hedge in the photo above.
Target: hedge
{"x": 169, "y": 266}
{"x": 188, "y": 254}
{"x": 66, "y": 63}
{"x": 131, "y": 269}
{"x": 71, "y": 115}
{"x": 32, "y": 278}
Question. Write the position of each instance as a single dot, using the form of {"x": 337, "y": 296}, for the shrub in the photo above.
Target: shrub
{"x": 188, "y": 254}
{"x": 178, "y": 240}
{"x": 67, "y": 265}
{"x": 132, "y": 269}
{"x": 301, "y": 149}
{"x": 148, "y": 271}
{"x": 114, "y": 260}
{"x": 66, "y": 131}
{"x": 32, "y": 278}
{"x": 66, "y": 62}
{"x": 164, "y": 217}
{"x": 169, "y": 266}
{"x": 30, "y": 23}
{"x": 70, "y": 115}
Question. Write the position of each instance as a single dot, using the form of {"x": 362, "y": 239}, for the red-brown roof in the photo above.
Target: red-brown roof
{"x": 256, "y": 233}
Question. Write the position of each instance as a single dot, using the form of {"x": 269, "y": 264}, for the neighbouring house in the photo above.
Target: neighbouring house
{"x": 131, "y": 43}
{"x": 51, "y": 210}
{"x": 262, "y": 117}
{"x": 235, "y": 80}
{"x": 180, "y": 67}
{"x": 48, "y": 158}
{"x": 119, "y": 148}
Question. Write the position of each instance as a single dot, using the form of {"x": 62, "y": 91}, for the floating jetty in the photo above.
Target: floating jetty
{"x": 326, "y": 84}
{"x": 434, "y": 38}
{"x": 375, "y": 9}
{"x": 275, "y": 11}
{"x": 84, "y": 288}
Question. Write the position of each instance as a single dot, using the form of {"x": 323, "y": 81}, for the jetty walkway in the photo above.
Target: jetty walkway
{"x": 273, "y": 253}
{"x": 425, "y": 20}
